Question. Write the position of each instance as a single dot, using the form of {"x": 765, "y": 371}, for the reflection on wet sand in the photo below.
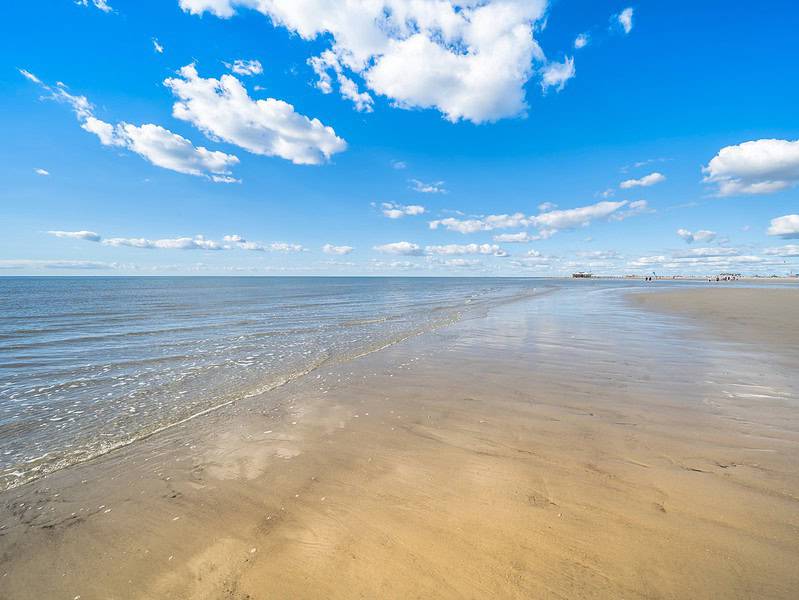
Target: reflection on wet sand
{"x": 572, "y": 446}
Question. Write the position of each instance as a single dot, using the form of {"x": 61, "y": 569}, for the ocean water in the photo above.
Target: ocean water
{"x": 91, "y": 364}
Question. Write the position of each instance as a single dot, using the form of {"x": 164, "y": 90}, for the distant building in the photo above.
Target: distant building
{"x": 582, "y": 275}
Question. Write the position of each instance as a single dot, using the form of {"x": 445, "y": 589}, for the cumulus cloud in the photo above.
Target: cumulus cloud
{"x": 402, "y": 248}
{"x": 245, "y": 68}
{"x": 625, "y": 19}
{"x": 89, "y": 236}
{"x": 756, "y": 167}
{"x": 581, "y": 41}
{"x": 223, "y": 110}
{"x": 337, "y": 250}
{"x": 703, "y": 235}
{"x": 468, "y": 60}
{"x": 786, "y": 227}
{"x": 458, "y": 249}
{"x": 157, "y": 46}
{"x": 155, "y": 144}
{"x": 393, "y": 210}
{"x": 436, "y": 187}
{"x": 399, "y": 165}
{"x": 645, "y": 181}
{"x": 42, "y": 172}
{"x": 101, "y": 4}
{"x": 555, "y": 75}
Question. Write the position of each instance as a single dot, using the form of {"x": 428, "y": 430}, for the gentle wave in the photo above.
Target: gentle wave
{"x": 135, "y": 371}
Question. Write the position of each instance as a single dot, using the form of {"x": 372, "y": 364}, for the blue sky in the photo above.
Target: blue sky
{"x": 289, "y": 137}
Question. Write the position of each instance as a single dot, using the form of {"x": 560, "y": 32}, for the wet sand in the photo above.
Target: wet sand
{"x": 768, "y": 315}
{"x": 570, "y": 446}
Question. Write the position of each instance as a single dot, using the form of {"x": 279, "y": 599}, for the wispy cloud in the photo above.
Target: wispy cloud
{"x": 555, "y": 74}
{"x": 436, "y": 187}
{"x": 100, "y": 4}
{"x": 245, "y": 68}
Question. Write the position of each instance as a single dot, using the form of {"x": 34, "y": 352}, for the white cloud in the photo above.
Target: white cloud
{"x": 89, "y": 236}
{"x": 576, "y": 217}
{"x": 403, "y": 248}
{"x": 547, "y": 222}
{"x": 457, "y": 249}
{"x": 284, "y": 247}
{"x": 523, "y": 237}
{"x": 546, "y": 206}
{"x": 436, "y": 187}
{"x": 184, "y": 243}
{"x": 645, "y": 181}
{"x": 637, "y": 207}
{"x": 59, "y": 264}
{"x": 600, "y": 255}
{"x": 557, "y": 74}
{"x": 272, "y": 247}
{"x": 756, "y": 167}
{"x": 101, "y": 4}
{"x": 460, "y": 225}
{"x": 625, "y": 19}
{"x": 706, "y": 252}
{"x": 703, "y": 235}
{"x": 42, "y": 172}
{"x": 787, "y": 250}
{"x": 581, "y": 41}
{"x": 326, "y": 62}
{"x": 223, "y": 110}
{"x": 469, "y": 60}
{"x": 785, "y": 227}
{"x": 157, "y": 46}
{"x": 224, "y": 179}
{"x": 337, "y": 250}
{"x": 462, "y": 262}
{"x": 245, "y": 68}
{"x": 399, "y": 165}
{"x": 393, "y": 210}
{"x": 159, "y": 146}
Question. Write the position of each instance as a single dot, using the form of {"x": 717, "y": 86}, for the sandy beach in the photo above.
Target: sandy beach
{"x": 604, "y": 443}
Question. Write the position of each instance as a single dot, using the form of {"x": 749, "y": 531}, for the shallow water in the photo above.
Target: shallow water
{"x": 90, "y": 364}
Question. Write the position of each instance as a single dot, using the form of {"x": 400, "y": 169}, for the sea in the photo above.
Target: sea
{"x": 90, "y": 364}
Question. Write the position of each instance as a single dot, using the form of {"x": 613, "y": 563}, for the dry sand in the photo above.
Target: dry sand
{"x": 559, "y": 448}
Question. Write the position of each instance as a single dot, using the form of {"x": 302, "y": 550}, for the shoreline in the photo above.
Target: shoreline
{"x": 474, "y": 460}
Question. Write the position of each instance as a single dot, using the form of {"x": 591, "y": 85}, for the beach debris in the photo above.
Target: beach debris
{"x": 253, "y": 550}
